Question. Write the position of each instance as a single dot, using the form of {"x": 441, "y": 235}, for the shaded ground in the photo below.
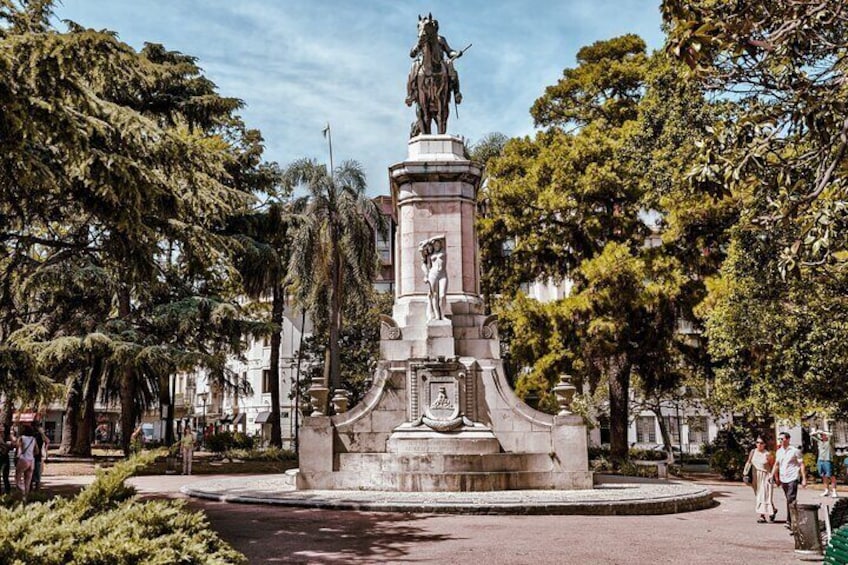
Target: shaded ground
{"x": 203, "y": 464}
{"x": 725, "y": 534}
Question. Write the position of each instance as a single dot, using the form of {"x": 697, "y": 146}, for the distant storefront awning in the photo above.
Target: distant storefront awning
{"x": 225, "y": 419}
{"x": 263, "y": 417}
{"x": 238, "y": 419}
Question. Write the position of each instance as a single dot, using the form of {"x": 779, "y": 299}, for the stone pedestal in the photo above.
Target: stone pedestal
{"x": 440, "y": 415}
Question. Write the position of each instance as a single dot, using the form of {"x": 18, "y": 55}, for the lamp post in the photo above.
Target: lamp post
{"x": 202, "y": 397}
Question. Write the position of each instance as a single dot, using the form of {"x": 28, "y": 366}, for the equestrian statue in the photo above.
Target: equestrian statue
{"x": 432, "y": 78}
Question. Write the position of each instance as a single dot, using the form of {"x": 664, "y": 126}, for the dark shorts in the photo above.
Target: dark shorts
{"x": 825, "y": 469}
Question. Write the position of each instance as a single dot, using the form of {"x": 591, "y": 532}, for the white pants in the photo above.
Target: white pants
{"x": 187, "y": 456}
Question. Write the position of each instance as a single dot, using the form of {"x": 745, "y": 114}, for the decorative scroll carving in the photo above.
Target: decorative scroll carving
{"x": 389, "y": 329}
{"x": 489, "y": 329}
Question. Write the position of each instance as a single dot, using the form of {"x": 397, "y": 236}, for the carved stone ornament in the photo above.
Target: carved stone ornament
{"x": 489, "y": 329}
{"x": 389, "y": 329}
{"x": 318, "y": 394}
{"x": 564, "y": 391}
{"x": 340, "y": 401}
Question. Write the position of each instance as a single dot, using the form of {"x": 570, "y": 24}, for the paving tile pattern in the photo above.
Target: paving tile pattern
{"x": 608, "y": 499}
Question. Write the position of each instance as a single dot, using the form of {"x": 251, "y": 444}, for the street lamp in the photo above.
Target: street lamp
{"x": 202, "y": 397}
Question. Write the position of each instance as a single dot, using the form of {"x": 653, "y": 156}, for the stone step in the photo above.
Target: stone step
{"x": 431, "y": 463}
{"x": 445, "y": 482}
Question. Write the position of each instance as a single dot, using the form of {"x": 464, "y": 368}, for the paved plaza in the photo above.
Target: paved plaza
{"x": 726, "y": 533}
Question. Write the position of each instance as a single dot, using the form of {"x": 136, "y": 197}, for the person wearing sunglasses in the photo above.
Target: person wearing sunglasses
{"x": 760, "y": 463}
{"x": 789, "y": 466}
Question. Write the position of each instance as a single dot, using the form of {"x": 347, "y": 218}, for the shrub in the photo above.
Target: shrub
{"x": 267, "y": 454}
{"x": 648, "y": 454}
{"x": 225, "y": 441}
{"x": 106, "y": 523}
{"x": 633, "y": 470}
{"x": 729, "y": 451}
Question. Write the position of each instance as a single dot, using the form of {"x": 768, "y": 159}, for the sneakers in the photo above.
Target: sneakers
{"x": 826, "y": 493}
{"x": 834, "y": 495}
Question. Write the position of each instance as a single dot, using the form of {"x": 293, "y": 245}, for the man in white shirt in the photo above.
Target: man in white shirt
{"x": 788, "y": 466}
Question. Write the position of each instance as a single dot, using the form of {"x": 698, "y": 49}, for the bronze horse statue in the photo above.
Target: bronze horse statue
{"x": 432, "y": 78}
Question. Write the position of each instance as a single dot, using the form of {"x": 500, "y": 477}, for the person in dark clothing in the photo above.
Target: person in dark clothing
{"x": 43, "y": 444}
{"x": 5, "y": 460}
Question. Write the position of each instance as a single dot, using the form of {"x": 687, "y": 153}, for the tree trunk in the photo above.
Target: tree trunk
{"x": 277, "y": 306}
{"x": 6, "y": 408}
{"x": 664, "y": 433}
{"x": 128, "y": 381}
{"x": 166, "y": 400}
{"x": 335, "y": 375}
{"x": 85, "y": 426}
{"x": 619, "y": 393}
{"x": 73, "y": 404}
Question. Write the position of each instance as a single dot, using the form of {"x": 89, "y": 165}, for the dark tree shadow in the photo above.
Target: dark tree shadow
{"x": 269, "y": 534}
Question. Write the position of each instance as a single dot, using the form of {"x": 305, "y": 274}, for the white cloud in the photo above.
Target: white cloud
{"x": 300, "y": 63}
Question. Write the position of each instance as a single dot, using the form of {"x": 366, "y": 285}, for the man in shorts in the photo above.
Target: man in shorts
{"x": 825, "y": 461}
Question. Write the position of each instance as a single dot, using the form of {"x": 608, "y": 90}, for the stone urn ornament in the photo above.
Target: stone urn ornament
{"x": 565, "y": 392}
{"x": 340, "y": 401}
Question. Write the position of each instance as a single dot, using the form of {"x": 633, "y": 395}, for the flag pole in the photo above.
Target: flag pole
{"x": 329, "y": 135}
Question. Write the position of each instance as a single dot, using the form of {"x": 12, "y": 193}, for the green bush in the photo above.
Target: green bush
{"x": 225, "y": 441}
{"x": 648, "y": 454}
{"x": 631, "y": 469}
{"x": 729, "y": 451}
{"x": 266, "y": 454}
{"x": 811, "y": 463}
{"x": 106, "y": 523}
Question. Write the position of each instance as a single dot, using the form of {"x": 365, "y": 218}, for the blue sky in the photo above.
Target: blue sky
{"x": 299, "y": 64}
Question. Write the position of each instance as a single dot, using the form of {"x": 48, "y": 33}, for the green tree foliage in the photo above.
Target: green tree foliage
{"x": 334, "y": 258}
{"x": 266, "y": 238}
{"x": 774, "y": 313}
{"x": 783, "y": 63}
{"x": 106, "y": 522}
{"x": 119, "y": 171}
{"x": 567, "y": 205}
{"x": 359, "y": 342}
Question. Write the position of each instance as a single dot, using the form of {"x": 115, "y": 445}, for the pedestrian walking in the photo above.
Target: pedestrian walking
{"x": 760, "y": 463}
{"x": 25, "y": 464}
{"x": 6, "y": 448}
{"x": 789, "y": 472}
{"x": 824, "y": 461}
{"x": 187, "y": 449}
{"x": 43, "y": 443}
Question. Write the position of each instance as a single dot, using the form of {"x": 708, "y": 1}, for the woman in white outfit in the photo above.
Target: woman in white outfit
{"x": 25, "y": 465}
{"x": 761, "y": 461}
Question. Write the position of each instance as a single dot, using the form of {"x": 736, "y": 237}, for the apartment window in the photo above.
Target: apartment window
{"x": 646, "y": 429}
{"x": 266, "y": 341}
{"x": 698, "y": 430}
{"x": 673, "y": 425}
{"x": 266, "y": 381}
{"x": 384, "y": 286}
{"x": 384, "y": 248}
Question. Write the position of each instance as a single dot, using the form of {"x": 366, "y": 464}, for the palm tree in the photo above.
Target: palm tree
{"x": 266, "y": 241}
{"x": 333, "y": 256}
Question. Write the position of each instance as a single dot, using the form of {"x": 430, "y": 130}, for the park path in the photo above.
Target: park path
{"x": 725, "y": 534}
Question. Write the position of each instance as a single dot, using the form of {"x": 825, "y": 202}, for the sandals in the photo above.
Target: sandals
{"x": 771, "y": 518}
{"x": 762, "y": 520}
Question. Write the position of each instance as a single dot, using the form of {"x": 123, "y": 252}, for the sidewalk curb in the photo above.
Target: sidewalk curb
{"x": 356, "y": 500}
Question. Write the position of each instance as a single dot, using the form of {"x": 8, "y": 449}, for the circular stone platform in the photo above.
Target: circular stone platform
{"x": 605, "y": 499}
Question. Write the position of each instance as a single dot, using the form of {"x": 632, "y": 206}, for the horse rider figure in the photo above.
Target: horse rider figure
{"x": 448, "y": 55}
